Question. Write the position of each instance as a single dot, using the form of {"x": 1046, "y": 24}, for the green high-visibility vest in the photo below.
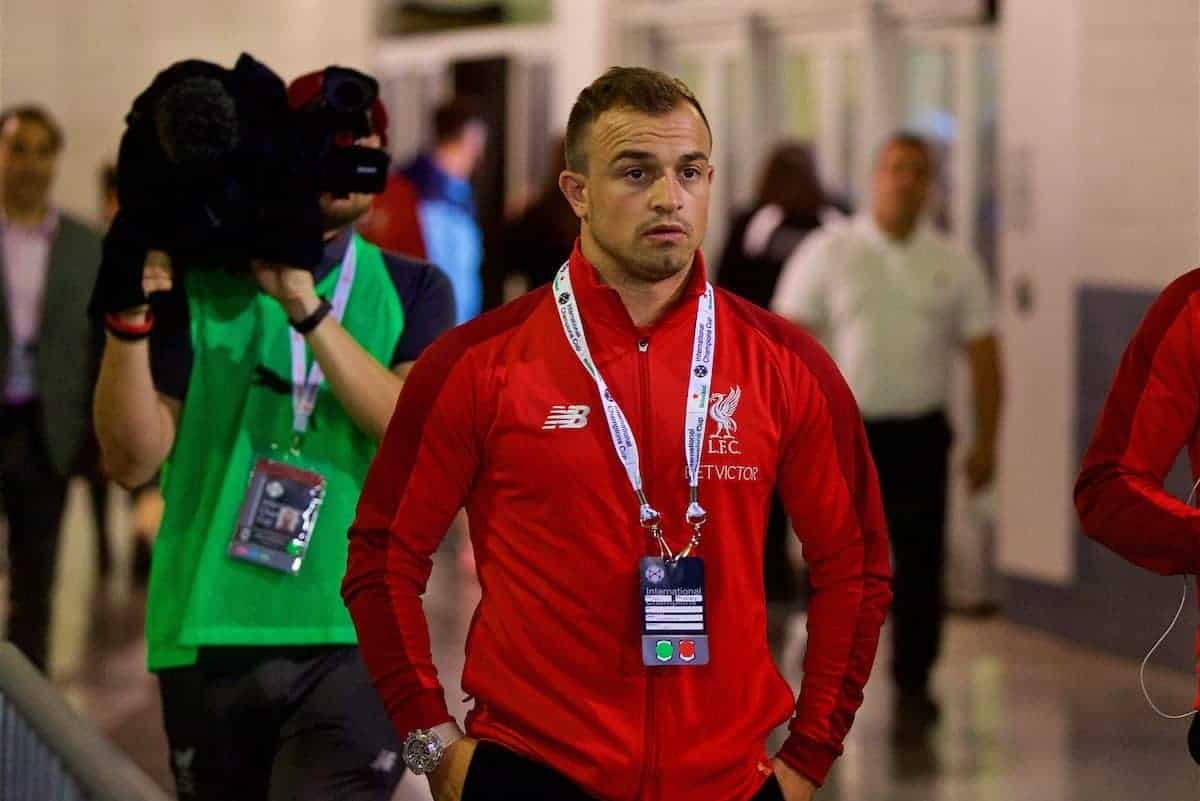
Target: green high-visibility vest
{"x": 199, "y": 595}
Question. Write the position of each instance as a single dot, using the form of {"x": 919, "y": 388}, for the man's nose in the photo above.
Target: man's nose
{"x": 667, "y": 194}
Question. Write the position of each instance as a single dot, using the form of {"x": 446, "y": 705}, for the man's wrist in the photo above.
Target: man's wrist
{"x": 135, "y": 316}
{"x": 302, "y": 308}
{"x": 425, "y": 749}
{"x": 449, "y": 733}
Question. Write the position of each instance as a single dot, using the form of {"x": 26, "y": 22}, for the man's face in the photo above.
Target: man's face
{"x": 27, "y": 161}
{"x": 644, "y": 199}
{"x": 337, "y": 212}
{"x": 474, "y": 141}
{"x": 902, "y": 182}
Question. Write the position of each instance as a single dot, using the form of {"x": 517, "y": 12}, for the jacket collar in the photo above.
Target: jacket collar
{"x": 609, "y": 327}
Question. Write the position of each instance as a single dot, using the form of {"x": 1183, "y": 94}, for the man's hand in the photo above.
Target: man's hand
{"x": 293, "y": 287}
{"x": 157, "y": 276}
{"x": 447, "y": 779}
{"x": 981, "y": 467}
{"x": 795, "y": 787}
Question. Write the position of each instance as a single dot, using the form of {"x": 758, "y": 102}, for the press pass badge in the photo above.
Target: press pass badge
{"x": 277, "y": 519}
{"x": 674, "y": 623}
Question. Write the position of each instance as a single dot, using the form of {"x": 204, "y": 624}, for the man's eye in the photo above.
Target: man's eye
{"x": 691, "y": 173}
{"x": 635, "y": 174}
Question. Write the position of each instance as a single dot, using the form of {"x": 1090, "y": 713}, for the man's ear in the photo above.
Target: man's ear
{"x": 574, "y": 189}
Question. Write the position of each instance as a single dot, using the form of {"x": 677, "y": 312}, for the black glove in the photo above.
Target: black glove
{"x": 118, "y": 285}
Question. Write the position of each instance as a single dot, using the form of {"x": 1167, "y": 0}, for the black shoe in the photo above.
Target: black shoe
{"x": 141, "y": 563}
{"x": 978, "y": 610}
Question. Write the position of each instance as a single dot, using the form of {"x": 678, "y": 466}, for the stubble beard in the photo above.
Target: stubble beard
{"x": 343, "y": 212}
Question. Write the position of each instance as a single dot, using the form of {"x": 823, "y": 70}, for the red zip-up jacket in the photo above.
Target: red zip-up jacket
{"x": 1152, "y": 412}
{"x": 553, "y": 658}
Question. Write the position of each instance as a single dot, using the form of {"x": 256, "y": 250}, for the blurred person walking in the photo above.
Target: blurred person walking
{"x": 536, "y": 242}
{"x": 790, "y": 204}
{"x": 619, "y": 649}
{"x": 895, "y": 301}
{"x": 266, "y": 400}
{"x": 146, "y": 501}
{"x": 47, "y": 352}
{"x": 434, "y": 191}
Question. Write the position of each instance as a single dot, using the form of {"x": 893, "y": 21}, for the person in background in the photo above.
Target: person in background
{"x": 264, "y": 694}
{"x": 789, "y": 205}
{"x": 147, "y": 504}
{"x": 895, "y": 301}
{"x": 1151, "y": 413}
{"x": 537, "y": 241}
{"x": 437, "y": 185}
{"x": 47, "y": 350}
{"x": 88, "y": 466}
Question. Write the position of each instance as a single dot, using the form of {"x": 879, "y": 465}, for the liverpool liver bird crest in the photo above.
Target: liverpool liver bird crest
{"x": 724, "y": 405}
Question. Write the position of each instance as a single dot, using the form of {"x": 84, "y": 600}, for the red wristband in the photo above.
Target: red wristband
{"x": 129, "y": 332}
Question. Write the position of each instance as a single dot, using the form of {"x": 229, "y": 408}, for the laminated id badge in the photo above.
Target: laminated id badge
{"x": 278, "y": 516}
{"x": 674, "y": 624}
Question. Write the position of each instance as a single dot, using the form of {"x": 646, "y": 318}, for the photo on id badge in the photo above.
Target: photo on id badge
{"x": 674, "y": 622}
{"x": 278, "y": 516}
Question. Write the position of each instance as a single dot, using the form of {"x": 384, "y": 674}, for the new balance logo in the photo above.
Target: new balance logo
{"x": 567, "y": 416}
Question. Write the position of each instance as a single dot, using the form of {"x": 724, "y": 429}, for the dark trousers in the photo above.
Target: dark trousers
{"x": 285, "y": 723}
{"x": 497, "y": 774}
{"x": 912, "y": 456}
{"x": 34, "y": 494}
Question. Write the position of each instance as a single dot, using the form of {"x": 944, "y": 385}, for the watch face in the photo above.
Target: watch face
{"x": 422, "y": 751}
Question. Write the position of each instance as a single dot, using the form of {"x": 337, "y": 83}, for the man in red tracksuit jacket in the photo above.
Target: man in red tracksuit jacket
{"x": 1151, "y": 413}
{"x": 559, "y": 422}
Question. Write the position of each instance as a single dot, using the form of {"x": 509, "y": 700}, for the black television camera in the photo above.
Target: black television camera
{"x": 216, "y": 168}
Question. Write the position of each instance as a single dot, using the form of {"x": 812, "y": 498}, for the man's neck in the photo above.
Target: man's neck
{"x": 450, "y": 159}
{"x": 329, "y": 236}
{"x": 897, "y": 229}
{"x": 31, "y": 214}
{"x": 646, "y": 301}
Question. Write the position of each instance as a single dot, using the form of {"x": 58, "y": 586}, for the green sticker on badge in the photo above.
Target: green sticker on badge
{"x": 664, "y": 651}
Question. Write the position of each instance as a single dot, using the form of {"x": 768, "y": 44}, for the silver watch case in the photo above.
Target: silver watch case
{"x": 423, "y": 751}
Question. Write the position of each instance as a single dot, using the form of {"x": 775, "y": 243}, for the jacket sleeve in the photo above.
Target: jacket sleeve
{"x": 418, "y": 481}
{"x": 1151, "y": 412}
{"x": 831, "y": 493}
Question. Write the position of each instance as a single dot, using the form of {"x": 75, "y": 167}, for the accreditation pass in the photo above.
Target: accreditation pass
{"x": 674, "y": 624}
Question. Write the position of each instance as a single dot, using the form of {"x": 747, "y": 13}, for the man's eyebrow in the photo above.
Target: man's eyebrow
{"x": 633, "y": 155}
{"x": 698, "y": 155}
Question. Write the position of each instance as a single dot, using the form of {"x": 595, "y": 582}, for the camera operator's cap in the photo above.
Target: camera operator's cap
{"x": 304, "y": 90}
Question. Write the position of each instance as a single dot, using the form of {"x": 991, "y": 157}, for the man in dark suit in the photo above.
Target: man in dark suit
{"x": 48, "y": 263}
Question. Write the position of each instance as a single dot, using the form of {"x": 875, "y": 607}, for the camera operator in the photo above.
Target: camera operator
{"x": 219, "y": 376}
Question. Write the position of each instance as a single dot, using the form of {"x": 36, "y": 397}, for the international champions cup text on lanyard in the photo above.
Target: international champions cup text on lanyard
{"x": 674, "y": 629}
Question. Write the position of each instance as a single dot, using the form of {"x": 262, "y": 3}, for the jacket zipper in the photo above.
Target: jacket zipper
{"x": 650, "y": 752}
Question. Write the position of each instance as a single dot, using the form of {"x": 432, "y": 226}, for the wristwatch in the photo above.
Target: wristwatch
{"x": 423, "y": 748}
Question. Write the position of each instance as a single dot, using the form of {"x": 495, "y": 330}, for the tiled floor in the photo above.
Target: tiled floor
{"x": 1026, "y": 717}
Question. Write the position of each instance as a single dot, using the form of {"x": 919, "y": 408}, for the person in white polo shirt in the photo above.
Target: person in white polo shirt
{"x": 894, "y": 302}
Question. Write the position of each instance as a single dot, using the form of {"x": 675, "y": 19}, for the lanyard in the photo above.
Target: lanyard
{"x": 695, "y": 416}
{"x": 305, "y": 389}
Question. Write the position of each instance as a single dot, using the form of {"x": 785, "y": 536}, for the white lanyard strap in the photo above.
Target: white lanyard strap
{"x": 305, "y": 389}
{"x": 696, "y": 406}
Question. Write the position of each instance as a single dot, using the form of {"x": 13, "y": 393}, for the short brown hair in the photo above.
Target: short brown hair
{"x": 790, "y": 180}
{"x": 913, "y": 141}
{"x": 634, "y": 88}
{"x": 451, "y": 118}
{"x": 31, "y": 112}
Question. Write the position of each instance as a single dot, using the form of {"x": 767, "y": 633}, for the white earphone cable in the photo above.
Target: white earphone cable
{"x": 1178, "y": 612}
